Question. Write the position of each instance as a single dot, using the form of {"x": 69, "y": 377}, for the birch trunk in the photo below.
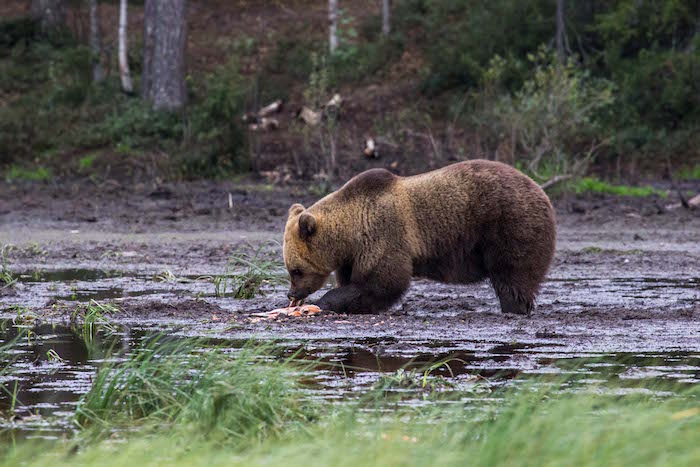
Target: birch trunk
{"x": 124, "y": 74}
{"x": 333, "y": 24}
{"x": 386, "y": 17}
{"x": 95, "y": 40}
{"x": 51, "y": 14}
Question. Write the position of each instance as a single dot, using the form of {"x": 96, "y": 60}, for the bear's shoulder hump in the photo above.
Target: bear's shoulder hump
{"x": 369, "y": 182}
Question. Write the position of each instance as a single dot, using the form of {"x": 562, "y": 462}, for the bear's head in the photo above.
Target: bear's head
{"x": 306, "y": 262}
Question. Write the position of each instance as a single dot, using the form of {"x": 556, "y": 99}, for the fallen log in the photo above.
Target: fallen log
{"x": 554, "y": 180}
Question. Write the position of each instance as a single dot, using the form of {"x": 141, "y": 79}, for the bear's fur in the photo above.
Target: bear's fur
{"x": 459, "y": 224}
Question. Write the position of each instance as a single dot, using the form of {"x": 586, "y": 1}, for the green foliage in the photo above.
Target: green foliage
{"x": 18, "y": 173}
{"x": 553, "y": 121}
{"x": 364, "y": 61}
{"x": 295, "y": 58}
{"x": 649, "y": 50}
{"x": 688, "y": 173}
{"x": 593, "y": 185}
{"x": 133, "y": 124}
{"x": 213, "y": 127}
{"x": 17, "y": 31}
{"x": 55, "y": 107}
{"x": 86, "y": 163}
{"x": 462, "y": 36}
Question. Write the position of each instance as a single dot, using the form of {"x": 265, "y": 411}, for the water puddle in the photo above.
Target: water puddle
{"x": 70, "y": 275}
{"x": 43, "y": 376}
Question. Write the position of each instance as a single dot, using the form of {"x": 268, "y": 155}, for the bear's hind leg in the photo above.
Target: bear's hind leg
{"x": 512, "y": 300}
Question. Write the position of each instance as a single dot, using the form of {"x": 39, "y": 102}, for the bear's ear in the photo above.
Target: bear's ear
{"x": 296, "y": 209}
{"x": 307, "y": 226}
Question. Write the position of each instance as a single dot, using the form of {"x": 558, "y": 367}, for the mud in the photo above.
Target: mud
{"x": 621, "y": 303}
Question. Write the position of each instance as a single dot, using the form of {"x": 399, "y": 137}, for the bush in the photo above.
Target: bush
{"x": 554, "y": 120}
{"x": 462, "y": 36}
{"x": 17, "y": 31}
{"x": 356, "y": 63}
{"x": 214, "y": 130}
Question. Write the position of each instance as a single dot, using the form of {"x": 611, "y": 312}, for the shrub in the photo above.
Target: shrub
{"x": 463, "y": 35}
{"x": 554, "y": 119}
{"x": 214, "y": 129}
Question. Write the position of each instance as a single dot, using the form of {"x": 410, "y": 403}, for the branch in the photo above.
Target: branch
{"x": 554, "y": 180}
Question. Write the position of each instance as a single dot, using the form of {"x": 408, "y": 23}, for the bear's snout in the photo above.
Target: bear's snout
{"x": 296, "y": 294}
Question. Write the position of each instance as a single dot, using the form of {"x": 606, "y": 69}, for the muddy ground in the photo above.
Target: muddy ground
{"x": 623, "y": 291}
{"x": 626, "y": 273}
{"x": 621, "y": 304}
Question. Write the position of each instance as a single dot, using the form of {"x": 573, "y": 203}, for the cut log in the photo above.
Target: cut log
{"x": 309, "y": 116}
{"x": 265, "y": 124}
{"x": 270, "y": 109}
{"x": 694, "y": 202}
{"x": 264, "y": 112}
{"x": 554, "y": 180}
{"x": 335, "y": 101}
{"x": 371, "y": 149}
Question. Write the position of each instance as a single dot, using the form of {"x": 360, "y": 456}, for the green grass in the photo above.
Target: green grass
{"x": 86, "y": 163}
{"x": 536, "y": 427}
{"x": 180, "y": 403}
{"x": 241, "y": 397}
{"x": 92, "y": 317}
{"x": 18, "y": 173}
{"x": 246, "y": 274}
{"x": 689, "y": 173}
{"x": 594, "y": 185}
{"x": 7, "y": 279}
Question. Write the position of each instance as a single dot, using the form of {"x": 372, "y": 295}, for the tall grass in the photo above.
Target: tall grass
{"x": 6, "y": 277}
{"x": 208, "y": 391}
{"x": 534, "y": 427}
{"x": 178, "y": 402}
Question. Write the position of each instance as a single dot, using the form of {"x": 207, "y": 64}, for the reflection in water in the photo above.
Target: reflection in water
{"x": 51, "y": 384}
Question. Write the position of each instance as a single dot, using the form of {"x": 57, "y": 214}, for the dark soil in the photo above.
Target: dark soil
{"x": 625, "y": 274}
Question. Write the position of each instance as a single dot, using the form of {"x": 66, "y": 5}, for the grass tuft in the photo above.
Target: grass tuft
{"x": 593, "y": 185}
{"x": 245, "y": 275}
{"x": 95, "y": 316}
{"x": 206, "y": 391}
{"x": 6, "y": 277}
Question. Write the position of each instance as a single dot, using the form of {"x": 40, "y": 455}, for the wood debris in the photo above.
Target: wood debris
{"x": 259, "y": 121}
{"x": 371, "y": 149}
{"x": 694, "y": 202}
{"x": 309, "y": 116}
{"x": 265, "y": 124}
{"x": 313, "y": 117}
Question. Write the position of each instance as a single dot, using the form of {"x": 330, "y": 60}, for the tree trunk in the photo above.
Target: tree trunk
{"x": 561, "y": 32}
{"x": 150, "y": 13}
{"x": 386, "y": 17}
{"x": 95, "y": 40}
{"x": 51, "y": 14}
{"x": 333, "y": 24}
{"x": 165, "y": 41}
{"x": 127, "y": 85}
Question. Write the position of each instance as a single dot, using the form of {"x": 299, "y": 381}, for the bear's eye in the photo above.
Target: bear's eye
{"x": 296, "y": 272}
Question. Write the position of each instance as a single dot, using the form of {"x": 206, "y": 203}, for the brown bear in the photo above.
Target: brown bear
{"x": 459, "y": 224}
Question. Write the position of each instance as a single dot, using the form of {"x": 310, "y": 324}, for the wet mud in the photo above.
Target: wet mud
{"x": 621, "y": 303}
